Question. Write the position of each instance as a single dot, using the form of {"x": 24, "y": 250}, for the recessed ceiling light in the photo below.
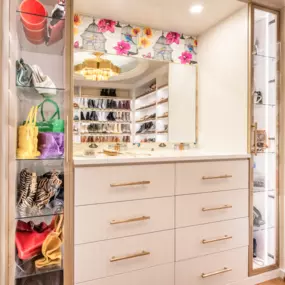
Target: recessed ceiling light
{"x": 196, "y": 9}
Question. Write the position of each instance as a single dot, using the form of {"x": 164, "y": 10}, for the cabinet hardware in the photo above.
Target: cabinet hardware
{"x": 116, "y": 222}
{"x": 206, "y": 275}
{"x": 130, "y": 184}
{"x": 143, "y": 253}
{"x": 217, "y": 177}
{"x": 255, "y": 138}
{"x": 217, "y": 208}
{"x": 205, "y": 241}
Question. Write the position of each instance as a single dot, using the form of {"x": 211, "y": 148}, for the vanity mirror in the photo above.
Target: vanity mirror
{"x": 133, "y": 100}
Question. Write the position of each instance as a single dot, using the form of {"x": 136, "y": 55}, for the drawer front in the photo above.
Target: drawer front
{"x": 122, "y": 183}
{"x": 229, "y": 266}
{"x": 108, "y": 258}
{"x": 158, "y": 275}
{"x": 122, "y": 219}
{"x": 198, "y": 177}
{"x": 211, "y": 238}
{"x": 211, "y": 207}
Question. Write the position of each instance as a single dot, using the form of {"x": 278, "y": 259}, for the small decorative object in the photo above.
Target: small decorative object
{"x": 258, "y": 98}
{"x": 93, "y": 145}
{"x": 162, "y": 145}
{"x": 190, "y": 45}
{"x": 110, "y": 152}
{"x": 162, "y": 50}
{"x": 257, "y": 218}
{"x": 256, "y": 47}
{"x": 262, "y": 143}
{"x": 93, "y": 39}
{"x": 128, "y": 35}
{"x": 259, "y": 181}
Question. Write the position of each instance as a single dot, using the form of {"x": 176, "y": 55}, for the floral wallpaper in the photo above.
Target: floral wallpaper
{"x": 119, "y": 38}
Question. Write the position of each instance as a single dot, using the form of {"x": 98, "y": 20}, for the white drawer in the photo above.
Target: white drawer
{"x": 122, "y": 219}
{"x": 106, "y": 184}
{"x": 198, "y": 177}
{"x": 211, "y": 238}
{"x": 211, "y": 207}
{"x": 93, "y": 260}
{"x": 190, "y": 272}
{"x": 158, "y": 275}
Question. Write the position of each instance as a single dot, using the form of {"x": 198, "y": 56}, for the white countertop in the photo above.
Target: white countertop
{"x": 156, "y": 156}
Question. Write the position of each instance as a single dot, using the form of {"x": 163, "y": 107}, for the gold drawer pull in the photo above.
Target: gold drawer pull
{"x": 217, "y": 177}
{"x": 204, "y": 241}
{"x": 130, "y": 184}
{"x": 143, "y": 253}
{"x": 143, "y": 218}
{"x": 217, "y": 208}
{"x": 206, "y": 275}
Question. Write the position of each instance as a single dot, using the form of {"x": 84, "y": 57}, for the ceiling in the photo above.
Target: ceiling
{"x": 168, "y": 15}
{"x": 277, "y": 4}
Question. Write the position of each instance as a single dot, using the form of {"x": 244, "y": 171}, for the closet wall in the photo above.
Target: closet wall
{"x": 223, "y": 94}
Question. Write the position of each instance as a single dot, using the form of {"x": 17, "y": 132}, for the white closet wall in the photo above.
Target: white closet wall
{"x": 223, "y": 57}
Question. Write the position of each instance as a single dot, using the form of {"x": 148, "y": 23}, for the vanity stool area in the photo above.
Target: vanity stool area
{"x": 162, "y": 223}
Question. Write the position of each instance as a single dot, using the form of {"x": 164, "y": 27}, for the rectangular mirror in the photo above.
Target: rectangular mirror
{"x": 133, "y": 100}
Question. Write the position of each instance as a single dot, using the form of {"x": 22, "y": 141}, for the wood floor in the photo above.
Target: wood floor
{"x": 273, "y": 282}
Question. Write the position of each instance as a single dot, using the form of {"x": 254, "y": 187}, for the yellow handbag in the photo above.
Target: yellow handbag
{"x": 28, "y": 137}
{"x": 51, "y": 248}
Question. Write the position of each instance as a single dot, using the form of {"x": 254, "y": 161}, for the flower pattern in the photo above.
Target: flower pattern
{"x": 144, "y": 42}
{"x": 122, "y": 48}
{"x": 76, "y": 44}
{"x": 185, "y": 57}
{"x": 172, "y": 37}
{"x": 76, "y": 20}
{"x": 148, "y": 32}
{"x": 195, "y": 43}
{"x": 135, "y": 31}
{"x": 106, "y": 25}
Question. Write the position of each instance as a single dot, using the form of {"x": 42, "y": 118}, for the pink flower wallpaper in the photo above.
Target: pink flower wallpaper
{"x": 114, "y": 37}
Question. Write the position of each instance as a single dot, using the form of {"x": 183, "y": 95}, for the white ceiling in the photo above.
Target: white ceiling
{"x": 168, "y": 15}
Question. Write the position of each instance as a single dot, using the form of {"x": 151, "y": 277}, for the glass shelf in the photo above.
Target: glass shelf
{"x": 40, "y": 159}
{"x": 103, "y": 110}
{"x": 30, "y": 93}
{"x": 49, "y": 278}
{"x": 46, "y": 212}
{"x": 56, "y": 48}
{"x": 264, "y": 105}
{"x": 103, "y": 122}
{"x": 265, "y": 56}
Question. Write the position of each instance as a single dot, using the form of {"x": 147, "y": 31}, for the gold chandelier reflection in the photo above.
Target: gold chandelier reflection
{"x": 97, "y": 68}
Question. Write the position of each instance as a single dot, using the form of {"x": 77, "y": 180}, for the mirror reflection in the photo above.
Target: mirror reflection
{"x": 132, "y": 100}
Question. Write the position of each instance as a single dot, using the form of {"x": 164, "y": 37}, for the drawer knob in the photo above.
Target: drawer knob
{"x": 206, "y": 275}
{"x": 217, "y": 208}
{"x": 205, "y": 241}
{"x": 217, "y": 177}
{"x": 130, "y": 184}
{"x": 135, "y": 255}
{"x": 117, "y": 222}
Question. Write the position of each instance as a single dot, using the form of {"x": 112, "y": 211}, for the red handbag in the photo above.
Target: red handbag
{"x": 30, "y": 237}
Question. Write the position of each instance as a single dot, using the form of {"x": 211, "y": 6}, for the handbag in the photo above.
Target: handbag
{"x": 24, "y": 74}
{"x": 28, "y": 136}
{"x": 53, "y": 124}
{"x": 30, "y": 237}
{"x": 51, "y": 247}
{"x": 51, "y": 145}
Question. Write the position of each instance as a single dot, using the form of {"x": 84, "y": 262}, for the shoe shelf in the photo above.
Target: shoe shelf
{"x": 146, "y": 133}
{"x": 104, "y": 134}
{"x": 104, "y": 110}
{"x": 146, "y": 107}
{"x": 104, "y": 122}
{"x": 105, "y": 98}
{"x": 145, "y": 121}
{"x": 152, "y": 92}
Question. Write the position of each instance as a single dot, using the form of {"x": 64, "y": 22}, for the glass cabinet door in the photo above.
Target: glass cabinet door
{"x": 264, "y": 141}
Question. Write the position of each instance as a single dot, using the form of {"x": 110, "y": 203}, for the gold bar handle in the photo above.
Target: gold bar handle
{"x": 143, "y": 253}
{"x": 130, "y": 184}
{"x": 217, "y": 177}
{"x": 206, "y": 275}
{"x": 117, "y": 222}
{"x": 217, "y": 208}
{"x": 205, "y": 241}
{"x": 255, "y": 138}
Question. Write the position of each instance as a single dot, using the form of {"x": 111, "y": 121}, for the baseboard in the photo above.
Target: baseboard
{"x": 282, "y": 274}
{"x": 260, "y": 278}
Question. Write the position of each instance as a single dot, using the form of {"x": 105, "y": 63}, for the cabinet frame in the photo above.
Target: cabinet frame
{"x": 251, "y": 8}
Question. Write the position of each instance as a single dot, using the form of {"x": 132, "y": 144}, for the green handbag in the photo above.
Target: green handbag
{"x": 53, "y": 124}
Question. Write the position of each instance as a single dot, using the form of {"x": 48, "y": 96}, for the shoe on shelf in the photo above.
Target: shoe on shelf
{"x": 82, "y": 118}
{"x": 257, "y": 218}
{"x": 76, "y": 118}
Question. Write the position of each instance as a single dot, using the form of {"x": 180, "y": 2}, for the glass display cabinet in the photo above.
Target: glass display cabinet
{"x": 264, "y": 106}
{"x": 39, "y": 168}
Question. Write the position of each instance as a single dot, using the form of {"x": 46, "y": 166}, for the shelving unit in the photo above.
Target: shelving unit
{"x": 264, "y": 141}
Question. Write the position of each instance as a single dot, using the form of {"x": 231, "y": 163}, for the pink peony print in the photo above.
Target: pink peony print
{"x": 76, "y": 44}
{"x": 105, "y": 25}
{"x": 172, "y": 37}
{"x": 185, "y": 57}
{"x": 122, "y": 48}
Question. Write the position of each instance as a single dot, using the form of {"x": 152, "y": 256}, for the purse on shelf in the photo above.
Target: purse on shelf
{"x": 28, "y": 136}
{"x": 51, "y": 248}
{"x": 30, "y": 237}
{"x": 54, "y": 123}
{"x": 51, "y": 145}
{"x": 24, "y": 74}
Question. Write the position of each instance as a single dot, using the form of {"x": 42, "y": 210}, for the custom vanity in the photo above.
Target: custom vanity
{"x": 180, "y": 220}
